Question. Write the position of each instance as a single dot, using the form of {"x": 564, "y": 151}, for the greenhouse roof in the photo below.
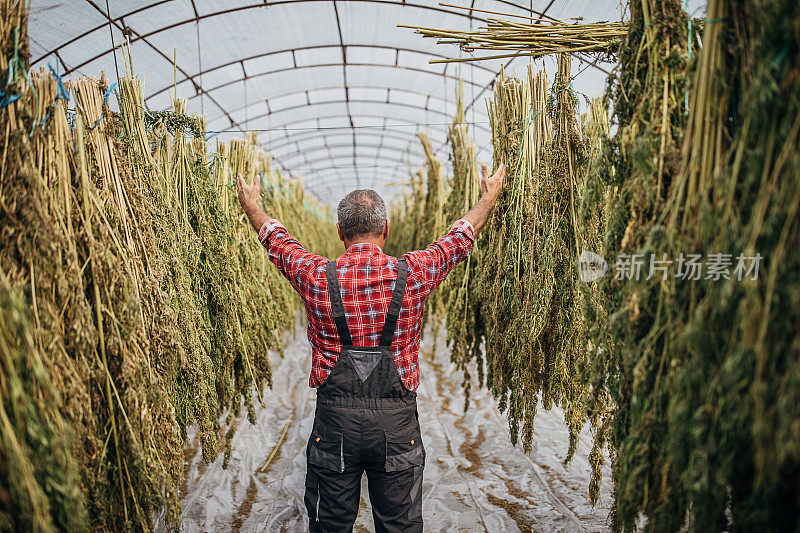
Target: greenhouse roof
{"x": 335, "y": 90}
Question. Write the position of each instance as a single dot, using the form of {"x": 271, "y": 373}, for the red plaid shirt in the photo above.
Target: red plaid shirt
{"x": 367, "y": 277}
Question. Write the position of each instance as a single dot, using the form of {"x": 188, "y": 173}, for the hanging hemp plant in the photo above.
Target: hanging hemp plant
{"x": 514, "y": 116}
{"x": 554, "y": 281}
{"x": 703, "y": 368}
{"x": 630, "y": 315}
{"x": 431, "y": 222}
{"x": 417, "y": 218}
{"x": 405, "y": 213}
{"x": 595, "y": 196}
{"x": 536, "y": 341}
{"x": 430, "y": 227}
{"x": 460, "y": 294}
{"x": 133, "y": 305}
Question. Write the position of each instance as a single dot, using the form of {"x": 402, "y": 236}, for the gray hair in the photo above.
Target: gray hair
{"x": 362, "y": 213}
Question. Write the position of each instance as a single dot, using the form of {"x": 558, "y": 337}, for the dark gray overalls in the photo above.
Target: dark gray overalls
{"x": 366, "y": 420}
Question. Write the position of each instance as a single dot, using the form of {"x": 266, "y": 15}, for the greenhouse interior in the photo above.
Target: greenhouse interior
{"x": 400, "y": 265}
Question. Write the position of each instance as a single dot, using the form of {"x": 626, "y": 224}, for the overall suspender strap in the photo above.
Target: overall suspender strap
{"x": 335, "y": 294}
{"x": 334, "y": 291}
{"x": 394, "y": 307}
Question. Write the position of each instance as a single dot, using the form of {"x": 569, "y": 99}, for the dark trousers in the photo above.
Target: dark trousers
{"x": 334, "y": 498}
{"x": 347, "y": 442}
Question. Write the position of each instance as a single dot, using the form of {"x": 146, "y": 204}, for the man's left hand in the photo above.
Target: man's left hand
{"x": 248, "y": 194}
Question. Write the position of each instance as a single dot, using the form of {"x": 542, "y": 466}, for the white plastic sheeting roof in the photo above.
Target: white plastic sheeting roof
{"x": 334, "y": 88}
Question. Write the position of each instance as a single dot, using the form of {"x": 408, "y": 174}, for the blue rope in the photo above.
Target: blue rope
{"x": 7, "y": 98}
{"x": 13, "y": 65}
{"x": 71, "y": 119}
{"x": 105, "y": 99}
{"x": 62, "y": 92}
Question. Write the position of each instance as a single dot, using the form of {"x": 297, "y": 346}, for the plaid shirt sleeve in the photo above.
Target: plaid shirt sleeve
{"x": 288, "y": 254}
{"x": 438, "y": 259}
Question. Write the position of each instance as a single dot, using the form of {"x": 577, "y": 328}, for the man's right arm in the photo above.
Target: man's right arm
{"x": 490, "y": 189}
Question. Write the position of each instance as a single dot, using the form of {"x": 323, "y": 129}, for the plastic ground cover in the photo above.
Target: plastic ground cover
{"x": 474, "y": 480}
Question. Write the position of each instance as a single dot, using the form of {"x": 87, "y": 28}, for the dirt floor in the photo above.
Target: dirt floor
{"x": 474, "y": 480}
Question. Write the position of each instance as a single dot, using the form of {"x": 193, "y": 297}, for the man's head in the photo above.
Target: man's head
{"x": 362, "y": 218}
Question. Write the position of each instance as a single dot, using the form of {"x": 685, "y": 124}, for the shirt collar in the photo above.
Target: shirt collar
{"x": 364, "y": 247}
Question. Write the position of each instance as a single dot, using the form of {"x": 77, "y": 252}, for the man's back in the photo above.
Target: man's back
{"x": 367, "y": 278}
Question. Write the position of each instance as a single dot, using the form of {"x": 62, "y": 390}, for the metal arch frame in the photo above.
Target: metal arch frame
{"x": 343, "y": 161}
{"x": 333, "y": 159}
{"x": 358, "y": 101}
{"x": 337, "y": 181}
{"x": 383, "y": 174}
{"x": 355, "y": 167}
{"x": 198, "y": 87}
{"x": 301, "y": 157}
{"x": 334, "y": 170}
{"x": 115, "y": 23}
{"x": 301, "y": 167}
{"x": 374, "y": 163}
{"x": 289, "y": 69}
{"x": 319, "y": 173}
{"x": 338, "y": 157}
{"x": 431, "y": 128}
{"x": 241, "y": 61}
{"x": 288, "y": 149}
{"x": 201, "y": 90}
{"x": 377, "y": 177}
{"x": 311, "y": 90}
{"x": 286, "y": 126}
{"x": 289, "y": 140}
{"x": 295, "y": 154}
{"x": 334, "y": 181}
{"x": 197, "y": 18}
{"x": 297, "y": 166}
{"x": 410, "y": 137}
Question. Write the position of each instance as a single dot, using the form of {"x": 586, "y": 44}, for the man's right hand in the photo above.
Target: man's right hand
{"x": 490, "y": 190}
{"x": 491, "y": 186}
{"x": 248, "y": 194}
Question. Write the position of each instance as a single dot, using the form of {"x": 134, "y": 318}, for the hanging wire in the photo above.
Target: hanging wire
{"x": 200, "y": 68}
{"x": 113, "y": 45}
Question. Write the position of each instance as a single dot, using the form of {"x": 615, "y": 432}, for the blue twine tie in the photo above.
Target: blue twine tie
{"x": 105, "y": 99}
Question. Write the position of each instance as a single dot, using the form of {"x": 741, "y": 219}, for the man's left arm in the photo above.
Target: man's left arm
{"x": 438, "y": 259}
{"x": 284, "y": 250}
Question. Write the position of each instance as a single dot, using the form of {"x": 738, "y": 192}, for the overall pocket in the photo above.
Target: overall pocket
{"x": 404, "y": 449}
{"x": 326, "y": 448}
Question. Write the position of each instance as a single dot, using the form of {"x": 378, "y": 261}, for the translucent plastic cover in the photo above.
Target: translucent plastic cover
{"x": 335, "y": 89}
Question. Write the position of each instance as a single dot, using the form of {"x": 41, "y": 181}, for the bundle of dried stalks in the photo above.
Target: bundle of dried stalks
{"x": 522, "y": 39}
{"x": 133, "y": 304}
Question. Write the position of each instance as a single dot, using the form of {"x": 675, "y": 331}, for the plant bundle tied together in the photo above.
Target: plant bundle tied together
{"x": 134, "y": 302}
